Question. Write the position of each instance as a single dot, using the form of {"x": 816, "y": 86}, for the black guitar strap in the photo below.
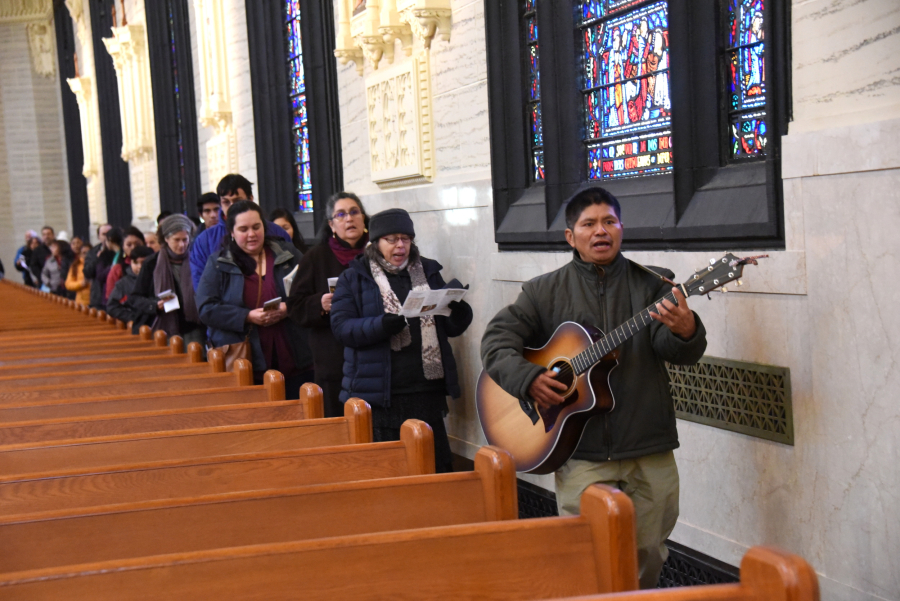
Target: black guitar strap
{"x": 659, "y": 275}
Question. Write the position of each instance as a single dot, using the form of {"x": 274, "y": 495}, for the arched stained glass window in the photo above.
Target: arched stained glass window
{"x": 533, "y": 95}
{"x": 624, "y": 46}
{"x": 297, "y": 92}
{"x": 745, "y": 60}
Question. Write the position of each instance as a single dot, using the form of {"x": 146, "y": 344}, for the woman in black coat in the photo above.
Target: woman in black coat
{"x": 343, "y": 239}
{"x": 403, "y": 367}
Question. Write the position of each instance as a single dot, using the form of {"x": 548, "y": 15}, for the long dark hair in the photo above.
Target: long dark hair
{"x": 297, "y": 238}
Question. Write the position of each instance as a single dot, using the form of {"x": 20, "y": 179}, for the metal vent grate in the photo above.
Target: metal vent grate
{"x": 750, "y": 398}
{"x": 535, "y": 502}
{"x": 687, "y": 567}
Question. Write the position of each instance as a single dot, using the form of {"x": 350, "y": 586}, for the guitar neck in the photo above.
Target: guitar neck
{"x": 592, "y": 355}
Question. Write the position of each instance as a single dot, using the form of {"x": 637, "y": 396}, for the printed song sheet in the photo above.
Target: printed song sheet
{"x": 420, "y": 303}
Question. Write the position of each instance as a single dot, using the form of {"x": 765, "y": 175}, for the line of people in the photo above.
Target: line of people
{"x": 247, "y": 282}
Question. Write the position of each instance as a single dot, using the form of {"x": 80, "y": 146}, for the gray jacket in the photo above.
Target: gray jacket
{"x": 643, "y": 420}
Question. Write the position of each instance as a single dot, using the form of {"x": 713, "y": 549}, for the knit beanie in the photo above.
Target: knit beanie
{"x": 174, "y": 224}
{"x": 391, "y": 221}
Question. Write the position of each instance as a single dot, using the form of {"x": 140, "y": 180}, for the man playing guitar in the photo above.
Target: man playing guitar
{"x": 630, "y": 447}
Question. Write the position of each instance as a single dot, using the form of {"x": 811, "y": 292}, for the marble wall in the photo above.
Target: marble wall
{"x": 820, "y": 307}
{"x": 34, "y": 184}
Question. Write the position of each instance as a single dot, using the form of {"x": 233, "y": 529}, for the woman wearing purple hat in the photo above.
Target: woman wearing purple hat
{"x": 403, "y": 367}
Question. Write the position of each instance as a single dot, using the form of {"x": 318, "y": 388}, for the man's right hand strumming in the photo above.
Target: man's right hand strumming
{"x": 545, "y": 390}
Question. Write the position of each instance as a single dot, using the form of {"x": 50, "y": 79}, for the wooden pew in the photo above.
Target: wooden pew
{"x": 136, "y": 402}
{"x": 146, "y": 481}
{"x": 148, "y": 383}
{"x": 517, "y": 559}
{"x": 156, "y": 361}
{"x": 133, "y": 350}
{"x": 77, "y": 456}
{"x": 48, "y": 342}
{"x": 110, "y": 376}
{"x": 767, "y": 574}
{"x": 273, "y": 409}
{"x": 262, "y": 517}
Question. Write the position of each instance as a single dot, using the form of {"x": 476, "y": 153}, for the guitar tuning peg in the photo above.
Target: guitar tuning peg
{"x": 712, "y": 261}
{"x": 740, "y": 282}
{"x": 724, "y": 289}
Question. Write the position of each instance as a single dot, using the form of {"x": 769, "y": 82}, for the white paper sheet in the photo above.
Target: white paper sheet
{"x": 289, "y": 279}
{"x": 420, "y": 303}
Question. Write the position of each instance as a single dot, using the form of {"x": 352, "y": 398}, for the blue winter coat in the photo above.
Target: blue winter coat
{"x": 209, "y": 241}
{"x": 356, "y": 312}
{"x": 220, "y": 301}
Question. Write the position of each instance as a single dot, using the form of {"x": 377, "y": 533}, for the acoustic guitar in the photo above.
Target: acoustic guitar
{"x": 582, "y": 358}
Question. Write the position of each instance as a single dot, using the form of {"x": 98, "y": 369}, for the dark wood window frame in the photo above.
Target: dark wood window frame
{"x": 116, "y": 175}
{"x": 166, "y": 107}
{"x": 271, "y": 107}
{"x": 65, "y": 48}
{"x": 705, "y": 203}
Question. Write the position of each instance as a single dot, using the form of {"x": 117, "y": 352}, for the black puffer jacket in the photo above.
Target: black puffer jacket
{"x": 356, "y": 320}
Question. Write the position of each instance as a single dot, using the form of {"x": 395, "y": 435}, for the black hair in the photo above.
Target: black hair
{"x": 115, "y": 236}
{"x": 140, "y": 252}
{"x": 594, "y": 195}
{"x": 297, "y": 238}
{"x": 208, "y": 198}
{"x": 326, "y": 232}
{"x": 242, "y": 206}
{"x": 133, "y": 231}
{"x": 233, "y": 182}
{"x": 47, "y": 227}
{"x": 162, "y": 216}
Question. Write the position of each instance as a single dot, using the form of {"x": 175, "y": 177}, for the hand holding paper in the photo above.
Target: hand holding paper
{"x": 420, "y": 303}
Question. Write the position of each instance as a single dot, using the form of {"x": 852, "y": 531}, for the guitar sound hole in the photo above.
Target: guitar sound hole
{"x": 564, "y": 373}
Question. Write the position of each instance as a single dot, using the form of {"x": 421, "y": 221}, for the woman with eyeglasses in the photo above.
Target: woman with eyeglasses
{"x": 343, "y": 238}
{"x": 403, "y": 367}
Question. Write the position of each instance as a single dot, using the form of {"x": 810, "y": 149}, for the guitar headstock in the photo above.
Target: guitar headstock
{"x": 720, "y": 272}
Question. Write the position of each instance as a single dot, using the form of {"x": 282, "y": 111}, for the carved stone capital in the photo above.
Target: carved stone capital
{"x": 374, "y": 48}
{"x": 425, "y": 23}
{"x": 398, "y": 32}
{"x": 354, "y": 54}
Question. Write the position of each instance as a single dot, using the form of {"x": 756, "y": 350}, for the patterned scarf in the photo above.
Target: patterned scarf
{"x": 431, "y": 350}
{"x": 164, "y": 279}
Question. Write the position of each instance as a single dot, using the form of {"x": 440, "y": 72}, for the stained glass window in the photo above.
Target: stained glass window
{"x": 297, "y": 91}
{"x": 179, "y": 125}
{"x": 624, "y": 57}
{"x": 533, "y": 95}
{"x": 745, "y": 60}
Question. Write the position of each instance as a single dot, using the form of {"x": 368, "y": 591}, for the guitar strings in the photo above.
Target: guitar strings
{"x": 600, "y": 346}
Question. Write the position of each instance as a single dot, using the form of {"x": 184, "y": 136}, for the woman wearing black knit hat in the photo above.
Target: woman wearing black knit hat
{"x": 403, "y": 367}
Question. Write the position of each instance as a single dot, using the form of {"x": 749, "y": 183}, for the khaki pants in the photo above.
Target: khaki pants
{"x": 651, "y": 482}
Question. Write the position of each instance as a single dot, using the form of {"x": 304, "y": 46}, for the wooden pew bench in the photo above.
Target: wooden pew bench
{"x": 147, "y": 481}
{"x": 136, "y": 402}
{"x": 149, "y": 360}
{"x": 75, "y": 456}
{"x": 262, "y": 517}
{"x": 141, "y": 385}
{"x": 112, "y": 376}
{"x": 767, "y": 574}
{"x": 151, "y": 418}
{"x": 516, "y": 559}
{"x": 136, "y": 350}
